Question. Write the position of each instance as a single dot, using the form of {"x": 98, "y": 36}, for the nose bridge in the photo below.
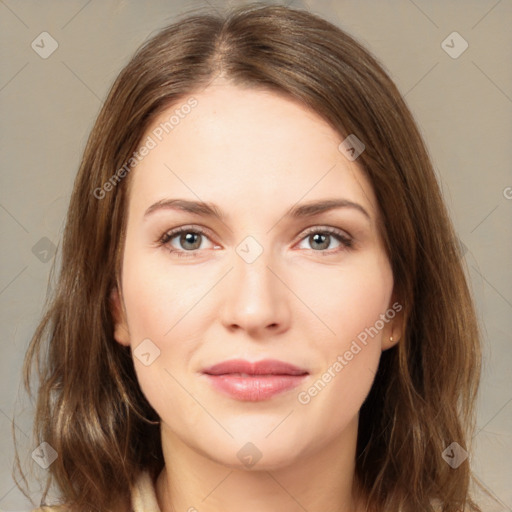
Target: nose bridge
{"x": 251, "y": 270}
{"x": 255, "y": 299}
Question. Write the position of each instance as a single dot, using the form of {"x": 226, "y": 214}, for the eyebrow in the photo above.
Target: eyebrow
{"x": 206, "y": 209}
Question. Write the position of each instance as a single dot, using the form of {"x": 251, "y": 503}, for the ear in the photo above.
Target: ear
{"x": 121, "y": 333}
{"x": 392, "y": 331}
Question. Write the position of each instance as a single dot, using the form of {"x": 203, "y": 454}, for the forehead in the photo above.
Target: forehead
{"x": 254, "y": 145}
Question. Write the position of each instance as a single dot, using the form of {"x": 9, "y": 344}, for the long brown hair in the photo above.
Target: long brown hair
{"x": 90, "y": 408}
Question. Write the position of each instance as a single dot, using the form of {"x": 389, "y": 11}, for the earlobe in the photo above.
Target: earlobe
{"x": 389, "y": 342}
{"x": 392, "y": 334}
{"x": 121, "y": 333}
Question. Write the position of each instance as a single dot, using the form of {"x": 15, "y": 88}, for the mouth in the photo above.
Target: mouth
{"x": 253, "y": 382}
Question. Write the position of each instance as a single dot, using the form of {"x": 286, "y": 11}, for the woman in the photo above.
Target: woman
{"x": 261, "y": 303}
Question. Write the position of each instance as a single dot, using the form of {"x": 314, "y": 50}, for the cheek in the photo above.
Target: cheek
{"x": 348, "y": 299}
{"x": 160, "y": 298}
{"x": 353, "y": 302}
{"x": 158, "y": 312}
{"x": 164, "y": 306}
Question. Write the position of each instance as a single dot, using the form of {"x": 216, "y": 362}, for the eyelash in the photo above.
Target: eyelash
{"x": 346, "y": 242}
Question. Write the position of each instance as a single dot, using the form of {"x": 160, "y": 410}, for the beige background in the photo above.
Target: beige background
{"x": 463, "y": 106}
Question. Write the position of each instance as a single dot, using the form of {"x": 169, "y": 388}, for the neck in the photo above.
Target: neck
{"x": 320, "y": 480}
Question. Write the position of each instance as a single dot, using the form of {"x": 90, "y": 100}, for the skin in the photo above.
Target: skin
{"x": 255, "y": 154}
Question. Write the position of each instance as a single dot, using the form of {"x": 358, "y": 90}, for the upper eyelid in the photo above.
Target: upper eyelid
{"x": 176, "y": 231}
{"x": 328, "y": 229}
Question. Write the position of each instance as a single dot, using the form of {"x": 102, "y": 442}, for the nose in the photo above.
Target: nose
{"x": 255, "y": 299}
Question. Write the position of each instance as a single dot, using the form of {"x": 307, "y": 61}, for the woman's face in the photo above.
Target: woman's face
{"x": 268, "y": 278}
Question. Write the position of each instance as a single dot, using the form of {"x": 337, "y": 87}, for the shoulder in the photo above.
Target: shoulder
{"x": 55, "y": 508}
{"x": 143, "y": 497}
{"x": 144, "y": 494}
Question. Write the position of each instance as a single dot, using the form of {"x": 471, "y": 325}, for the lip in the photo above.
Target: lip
{"x": 256, "y": 381}
{"x": 264, "y": 367}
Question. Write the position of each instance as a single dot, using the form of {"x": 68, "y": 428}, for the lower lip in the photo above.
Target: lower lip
{"x": 255, "y": 388}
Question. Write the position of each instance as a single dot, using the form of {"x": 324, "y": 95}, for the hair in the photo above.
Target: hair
{"x": 89, "y": 405}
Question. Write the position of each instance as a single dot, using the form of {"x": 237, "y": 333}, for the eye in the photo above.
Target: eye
{"x": 187, "y": 237}
{"x": 188, "y": 240}
{"x": 321, "y": 238}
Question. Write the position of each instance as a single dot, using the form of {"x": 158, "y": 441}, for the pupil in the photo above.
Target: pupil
{"x": 317, "y": 235}
{"x": 189, "y": 239}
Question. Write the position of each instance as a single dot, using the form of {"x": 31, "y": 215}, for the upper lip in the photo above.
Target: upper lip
{"x": 264, "y": 367}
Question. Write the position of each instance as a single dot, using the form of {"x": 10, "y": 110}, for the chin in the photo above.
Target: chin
{"x": 255, "y": 454}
